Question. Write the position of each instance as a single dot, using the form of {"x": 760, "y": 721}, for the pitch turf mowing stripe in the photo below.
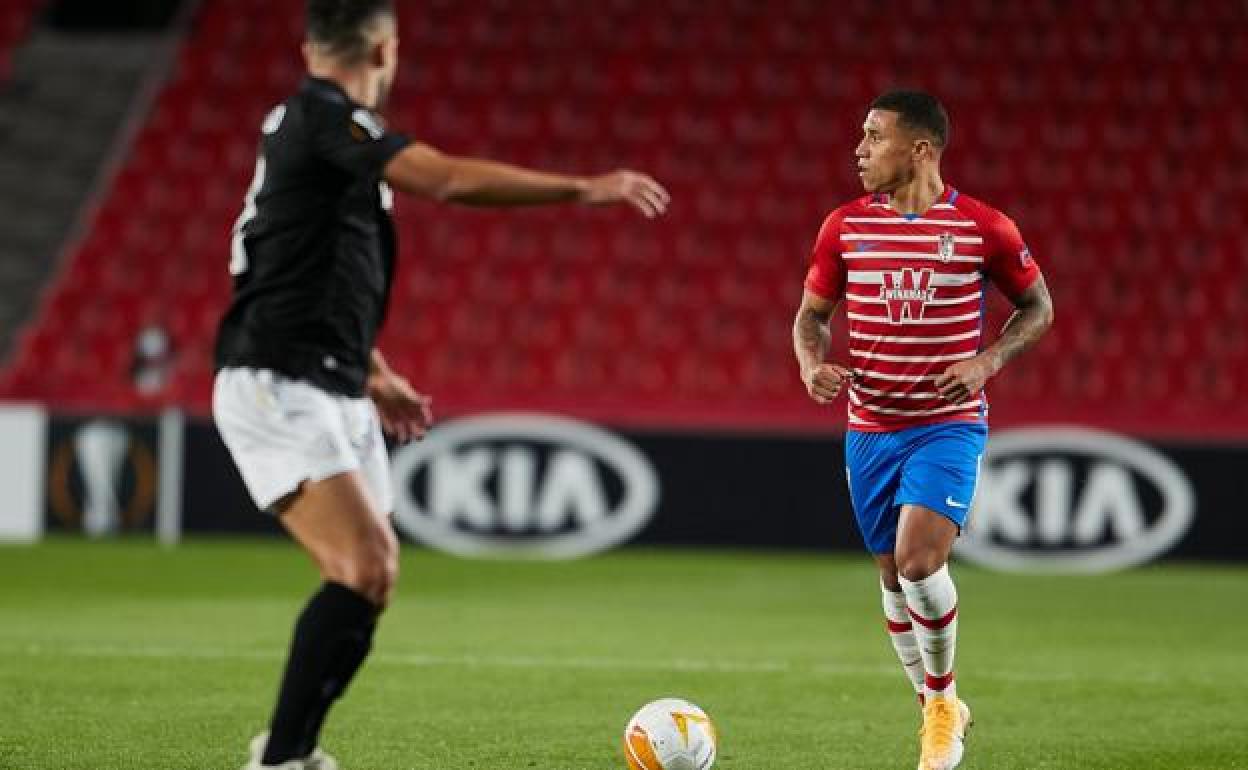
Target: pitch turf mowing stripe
{"x": 417, "y": 660}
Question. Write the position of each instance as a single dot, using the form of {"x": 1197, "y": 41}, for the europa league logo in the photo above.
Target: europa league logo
{"x": 116, "y": 475}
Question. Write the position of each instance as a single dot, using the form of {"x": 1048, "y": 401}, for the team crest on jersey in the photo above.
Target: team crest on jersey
{"x": 906, "y": 292}
{"x": 944, "y": 247}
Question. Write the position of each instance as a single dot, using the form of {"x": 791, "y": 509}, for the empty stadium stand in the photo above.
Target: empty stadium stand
{"x": 1107, "y": 137}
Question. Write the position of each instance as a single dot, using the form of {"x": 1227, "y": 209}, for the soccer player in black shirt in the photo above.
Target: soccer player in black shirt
{"x": 302, "y": 395}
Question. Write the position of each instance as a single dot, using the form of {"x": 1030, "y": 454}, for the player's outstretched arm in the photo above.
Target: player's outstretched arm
{"x": 1032, "y": 317}
{"x": 810, "y": 344}
{"x": 422, "y": 170}
{"x": 405, "y": 414}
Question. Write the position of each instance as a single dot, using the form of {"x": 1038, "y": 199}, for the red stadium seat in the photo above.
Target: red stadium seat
{"x": 1100, "y": 135}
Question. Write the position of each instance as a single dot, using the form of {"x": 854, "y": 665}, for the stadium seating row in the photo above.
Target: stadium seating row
{"x": 1101, "y": 139}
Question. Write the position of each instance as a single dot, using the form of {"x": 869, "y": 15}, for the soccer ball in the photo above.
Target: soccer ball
{"x": 670, "y": 734}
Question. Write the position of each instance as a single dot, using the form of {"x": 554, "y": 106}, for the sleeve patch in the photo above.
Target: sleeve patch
{"x": 367, "y": 121}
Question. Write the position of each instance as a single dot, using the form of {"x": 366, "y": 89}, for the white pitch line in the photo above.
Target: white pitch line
{"x": 418, "y": 660}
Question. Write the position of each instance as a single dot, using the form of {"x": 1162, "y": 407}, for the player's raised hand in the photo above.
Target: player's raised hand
{"x": 631, "y": 187}
{"x": 824, "y": 382}
{"x": 405, "y": 414}
{"x": 965, "y": 379}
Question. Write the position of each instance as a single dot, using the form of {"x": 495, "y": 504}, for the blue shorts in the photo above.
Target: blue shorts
{"x": 935, "y": 466}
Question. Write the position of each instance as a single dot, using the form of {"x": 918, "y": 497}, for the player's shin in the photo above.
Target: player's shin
{"x": 901, "y": 633}
{"x": 332, "y": 637}
{"x": 353, "y": 648}
{"x": 933, "y": 608}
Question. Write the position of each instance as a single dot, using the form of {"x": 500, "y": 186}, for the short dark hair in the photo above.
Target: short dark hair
{"x": 340, "y": 25}
{"x": 917, "y": 111}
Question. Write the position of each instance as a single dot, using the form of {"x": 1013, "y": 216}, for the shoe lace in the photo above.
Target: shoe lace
{"x": 940, "y": 721}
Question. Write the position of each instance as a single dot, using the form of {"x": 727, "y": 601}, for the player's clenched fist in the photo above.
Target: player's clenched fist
{"x": 824, "y": 382}
{"x": 964, "y": 380}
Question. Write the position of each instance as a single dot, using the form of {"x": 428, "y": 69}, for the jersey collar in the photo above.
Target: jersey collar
{"x": 327, "y": 89}
{"x": 949, "y": 196}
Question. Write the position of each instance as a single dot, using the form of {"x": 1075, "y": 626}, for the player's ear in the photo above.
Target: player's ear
{"x": 377, "y": 55}
{"x": 923, "y": 148}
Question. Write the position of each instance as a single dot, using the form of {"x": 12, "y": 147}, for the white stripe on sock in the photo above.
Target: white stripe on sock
{"x": 905, "y": 643}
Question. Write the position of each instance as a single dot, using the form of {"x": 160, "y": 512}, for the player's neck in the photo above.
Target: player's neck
{"x": 358, "y": 84}
{"x": 919, "y": 194}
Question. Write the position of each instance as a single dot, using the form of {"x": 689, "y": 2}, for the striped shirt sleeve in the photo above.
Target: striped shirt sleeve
{"x": 826, "y": 276}
{"x": 1007, "y": 260}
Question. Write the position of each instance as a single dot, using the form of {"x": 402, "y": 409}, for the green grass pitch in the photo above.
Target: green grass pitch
{"x": 124, "y": 655}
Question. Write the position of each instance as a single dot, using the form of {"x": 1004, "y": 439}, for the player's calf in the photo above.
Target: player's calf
{"x": 901, "y": 633}
{"x": 933, "y": 607}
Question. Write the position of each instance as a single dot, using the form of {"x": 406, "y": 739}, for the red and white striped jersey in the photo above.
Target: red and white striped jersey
{"x": 913, "y": 287}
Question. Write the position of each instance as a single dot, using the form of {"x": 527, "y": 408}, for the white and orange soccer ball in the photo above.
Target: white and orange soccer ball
{"x": 670, "y": 734}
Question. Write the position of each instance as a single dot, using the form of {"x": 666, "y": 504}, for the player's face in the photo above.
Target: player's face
{"x": 886, "y": 153}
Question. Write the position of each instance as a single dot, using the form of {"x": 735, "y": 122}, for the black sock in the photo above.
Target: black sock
{"x": 332, "y": 637}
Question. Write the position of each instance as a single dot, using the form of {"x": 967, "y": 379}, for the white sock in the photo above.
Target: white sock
{"x": 933, "y": 606}
{"x": 901, "y": 633}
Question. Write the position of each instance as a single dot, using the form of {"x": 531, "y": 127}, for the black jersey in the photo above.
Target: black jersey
{"x": 313, "y": 251}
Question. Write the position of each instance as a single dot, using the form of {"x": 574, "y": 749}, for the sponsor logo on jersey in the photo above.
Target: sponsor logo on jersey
{"x": 531, "y": 485}
{"x": 1075, "y": 500}
{"x": 906, "y": 292}
{"x": 945, "y": 246}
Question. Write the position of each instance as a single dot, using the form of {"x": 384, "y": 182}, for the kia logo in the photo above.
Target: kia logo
{"x": 1074, "y": 500}
{"x": 522, "y": 485}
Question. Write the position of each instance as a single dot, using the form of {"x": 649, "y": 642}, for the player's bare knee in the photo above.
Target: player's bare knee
{"x": 380, "y": 576}
{"x": 369, "y": 581}
{"x": 387, "y": 577}
{"x": 385, "y": 587}
{"x": 376, "y": 564}
{"x": 915, "y": 567}
{"x": 363, "y": 570}
{"x": 388, "y": 557}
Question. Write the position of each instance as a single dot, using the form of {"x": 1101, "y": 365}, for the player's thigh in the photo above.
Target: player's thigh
{"x": 935, "y": 494}
{"x": 280, "y": 433}
{"x": 924, "y": 541}
{"x": 335, "y": 517}
{"x": 338, "y": 524}
{"x": 301, "y": 452}
{"x": 872, "y": 469}
{"x": 941, "y": 470}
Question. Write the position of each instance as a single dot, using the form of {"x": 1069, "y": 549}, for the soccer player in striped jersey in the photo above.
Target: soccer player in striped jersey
{"x": 911, "y": 261}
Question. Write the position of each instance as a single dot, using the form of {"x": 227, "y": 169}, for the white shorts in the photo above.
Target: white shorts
{"x": 282, "y": 432}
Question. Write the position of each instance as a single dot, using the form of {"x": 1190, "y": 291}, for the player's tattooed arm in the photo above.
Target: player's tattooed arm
{"x": 422, "y": 170}
{"x": 1032, "y": 317}
{"x": 823, "y": 380}
{"x": 405, "y": 414}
